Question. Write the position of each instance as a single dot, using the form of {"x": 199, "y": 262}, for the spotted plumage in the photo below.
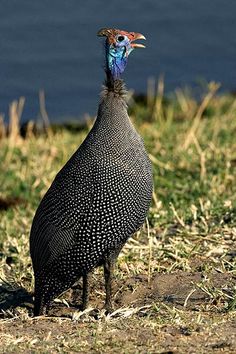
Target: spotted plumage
{"x": 96, "y": 202}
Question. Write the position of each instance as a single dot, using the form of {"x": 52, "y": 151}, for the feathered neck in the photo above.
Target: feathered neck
{"x": 116, "y": 87}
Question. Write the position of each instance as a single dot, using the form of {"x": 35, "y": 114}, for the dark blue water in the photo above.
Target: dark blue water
{"x": 52, "y": 45}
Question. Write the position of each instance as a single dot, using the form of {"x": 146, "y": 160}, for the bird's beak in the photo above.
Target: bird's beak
{"x": 133, "y": 36}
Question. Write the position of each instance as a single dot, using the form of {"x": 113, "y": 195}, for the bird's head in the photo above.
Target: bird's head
{"x": 119, "y": 44}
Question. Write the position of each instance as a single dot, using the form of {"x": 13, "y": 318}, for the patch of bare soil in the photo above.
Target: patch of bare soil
{"x": 10, "y": 202}
{"x": 180, "y": 289}
{"x": 181, "y": 320}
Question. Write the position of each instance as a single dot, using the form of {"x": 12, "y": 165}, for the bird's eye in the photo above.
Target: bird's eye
{"x": 120, "y": 38}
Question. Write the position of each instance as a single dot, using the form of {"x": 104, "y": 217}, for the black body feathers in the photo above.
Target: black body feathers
{"x": 96, "y": 202}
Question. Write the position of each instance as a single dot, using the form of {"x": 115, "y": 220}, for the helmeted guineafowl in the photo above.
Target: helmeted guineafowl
{"x": 99, "y": 198}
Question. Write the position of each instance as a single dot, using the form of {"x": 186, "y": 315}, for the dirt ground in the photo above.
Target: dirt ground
{"x": 171, "y": 313}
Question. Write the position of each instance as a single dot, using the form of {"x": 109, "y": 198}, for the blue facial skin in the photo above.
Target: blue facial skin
{"x": 117, "y": 56}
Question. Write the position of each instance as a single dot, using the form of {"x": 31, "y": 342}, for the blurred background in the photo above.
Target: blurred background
{"x": 52, "y": 45}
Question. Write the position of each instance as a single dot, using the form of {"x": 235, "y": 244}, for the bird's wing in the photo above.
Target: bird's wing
{"x": 65, "y": 206}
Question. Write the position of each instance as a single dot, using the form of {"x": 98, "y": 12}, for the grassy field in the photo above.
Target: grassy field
{"x": 175, "y": 279}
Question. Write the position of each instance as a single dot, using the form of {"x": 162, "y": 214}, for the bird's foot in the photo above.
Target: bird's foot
{"x": 108, "y": 307}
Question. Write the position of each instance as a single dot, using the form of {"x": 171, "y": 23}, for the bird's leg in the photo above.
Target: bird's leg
{"x": 85, "y": 294}
{"x": 108, "y": 275}
{"x": 40, "y": 310}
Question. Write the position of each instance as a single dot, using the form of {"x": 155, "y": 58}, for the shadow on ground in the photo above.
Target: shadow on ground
{"x": 13, "y": 297}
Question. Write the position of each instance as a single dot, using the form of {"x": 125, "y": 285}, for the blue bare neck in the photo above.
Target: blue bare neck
{"x": 116, "y": 60}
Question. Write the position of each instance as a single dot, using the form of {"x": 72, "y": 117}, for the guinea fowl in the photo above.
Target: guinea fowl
{"x": 99, "y": 198}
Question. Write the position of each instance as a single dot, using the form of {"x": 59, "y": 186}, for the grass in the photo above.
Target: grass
{"x": 191, "y": 229}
